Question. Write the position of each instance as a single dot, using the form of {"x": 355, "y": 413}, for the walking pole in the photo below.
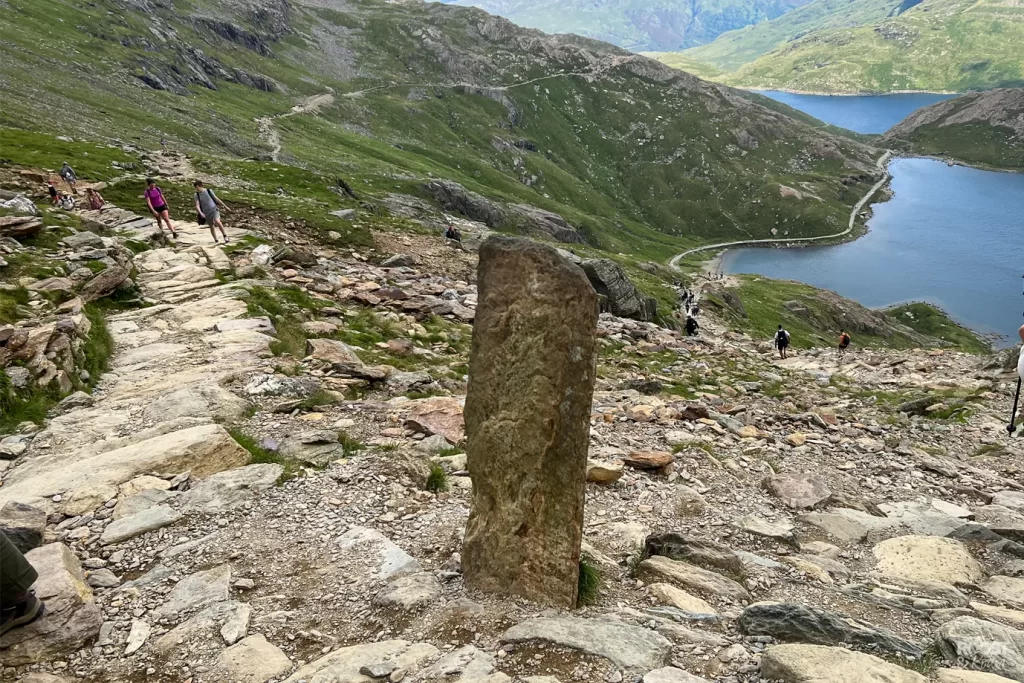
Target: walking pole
{"x": 1011, "y": 428}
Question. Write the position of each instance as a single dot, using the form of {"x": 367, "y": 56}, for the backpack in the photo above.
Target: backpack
{"x": 845, "y": 339}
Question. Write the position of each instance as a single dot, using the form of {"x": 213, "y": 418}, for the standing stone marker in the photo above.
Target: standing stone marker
{"x": 531, "y": 382}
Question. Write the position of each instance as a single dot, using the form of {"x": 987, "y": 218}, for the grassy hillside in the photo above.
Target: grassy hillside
{"x": 639, "y": 24}
{"x": 640, "y": 158}
{"x": 937, "y": 45}
{"x": 732, "y": 50}
{"x": 982, "y": 129}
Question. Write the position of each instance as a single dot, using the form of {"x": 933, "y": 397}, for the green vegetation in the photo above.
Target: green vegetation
{"x": 814, "y": 317}
{"x": 675, "y": 24}
{"x": 940, "y": 45}
{"x": 977, "y": 144}
{"x": 350, "y": 445}
{"x": 437, "y": 480}
{"x": 642, "y": 161}
{"x": 11, "y": 303}
{"x": 589, "y": 587}
{"x": 929, "y": 320}
{"x": 734, "y": 49}
{"x": 260, "y": 455}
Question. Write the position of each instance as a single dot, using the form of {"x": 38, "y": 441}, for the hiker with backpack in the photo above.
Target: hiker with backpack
{"x": 158, "y": 206}
{"x": 782, "y": 342}
{"x": 844, "y": 342}
{"x": 691, "y": 325}
{"x": 208, "y": 207}
{"x": 69, "y": 177}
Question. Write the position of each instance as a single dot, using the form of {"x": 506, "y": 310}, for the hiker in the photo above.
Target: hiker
{"x": 69, "y": 176}
{"x": 18, "y": 603}
{"x": 208, "y": 207}
{"x": 67, "y": 202}
{"x": 844, "y": 342}
{"x": 94, "y": 198}
{"x": 54, "y": 198}
{"x": 163, "y": 144}
{"x": 691, "y": 326}
{"x": 158, "y": 206}
{"x": 452, "y": 233}
{"x": 782, "y": 341}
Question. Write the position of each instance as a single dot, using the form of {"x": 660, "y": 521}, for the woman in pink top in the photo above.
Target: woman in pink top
{"x": 158, "y": 205}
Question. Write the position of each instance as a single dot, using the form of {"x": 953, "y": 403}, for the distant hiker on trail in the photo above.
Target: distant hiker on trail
{"x": 69, "y": 176}
{"x": 782, "y": 342}
{"x": 54, "y": 198}
{"x": 207, "y": 210}
{"x": 94, "y": 198}
{"x": 451, "y": 232}
{"x": 163, "y": 143}
{"x": 691, "y": 325}
{"x": 844, "y": 342}
{"x": 158, "y": 206}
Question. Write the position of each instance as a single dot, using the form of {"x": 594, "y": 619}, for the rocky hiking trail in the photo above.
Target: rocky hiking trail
{"x": 216, "y": 512}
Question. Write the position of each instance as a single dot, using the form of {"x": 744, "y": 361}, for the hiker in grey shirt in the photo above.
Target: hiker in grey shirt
{"x": 208, "y": 207}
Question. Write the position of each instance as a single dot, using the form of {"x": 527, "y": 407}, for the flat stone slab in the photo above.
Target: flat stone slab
{"x": 821, "y": 664}
{"x": 927, "y": 558}
{"x": 198, "y": 590}
{"x": 344, "y": 663}
{"x": 259, "y": 324}
{"x": 671, "y": 674}
{"x": 691, "y": 578}
{"x": 983, "y": 645}
{"x": 386, "y": 558}
{"x": 149, "y": 519}
{"x": 629, "y": 647}
{"x": 847, "y": 525}
{"x": 231, "y": 488}
{"x": 253, "y": 660}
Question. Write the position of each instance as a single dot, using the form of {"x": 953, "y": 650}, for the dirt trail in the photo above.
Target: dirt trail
{"x": 308, "y": 105}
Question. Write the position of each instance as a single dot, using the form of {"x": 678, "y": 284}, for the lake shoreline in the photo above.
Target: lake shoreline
{"x": 760, "y": 90}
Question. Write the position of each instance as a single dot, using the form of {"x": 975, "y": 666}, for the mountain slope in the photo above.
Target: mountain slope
{"x": 732, "y": 50}
{"x": 637, "y": 157}
{"x": 639, "y": 25}
{"x": 937, "y": 45}
{"x": 985, "y": 129}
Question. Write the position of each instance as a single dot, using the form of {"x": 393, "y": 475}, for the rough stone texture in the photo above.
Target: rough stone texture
{"x": 603, "y": 473}
{"x": 671, "y": 674}
{"x": 799, "y": 491}
{"x": 847, "y": 525}
{"x": 983, "y": 645}
{"x": 1012, "y": 617}
{"x": 344, "y": 663}
{"x": 820, "y": 664}
{"x": 629, "y": 647}
{"x": 927, "y": 558}
{"x": 410, "y": 591}
{"x": 439, "y": 415}
{"x": 707, "y": 554}
{"x": 71, "y": 618}
{"x": 204, "y": 624}
{"x": 648, "y": 460}
{"x": 965, "y": 676}
{"x": 139, "y": 523}
{"x": 621, "y": 295}
{"x": 198, "y": 590}
{"x": 691, "y": 578}
{"x": 231, "y": 488}
{"x": 23, "y": 525}
{"x": 253, "y": 660}
{"x": 1005, "y": 589}
{"x": 531, "y": 379}
{"x": 144, "y": 500}
{"x": 668, "y": 594}
{"x": 388, "y": 559}
{"x": 468, "y": 664}
{"x": 789, "y": 622}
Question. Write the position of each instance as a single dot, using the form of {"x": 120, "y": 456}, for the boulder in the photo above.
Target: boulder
{"x": 707, "y": 554}
{"x": 545, "y": 223}
{"x": 621, "y": 296}
{"x": 780, "y": 531}
{"x": 603, "y": 473}
{"x": 528, "y": 422}
{"x": 23, "y": 525}
{"x": 669, "y": 595}
{"x": 438, "y": 415}
{"x": 71, "y": 619}
{"x": 331, "y": 351}
{"x": 983, "y": 645}
{"x": 253, "y": 660}
{"x": 789, "y": 622}
{"x": 455, "y": 198}
{"x": 140, "y": 523}
{"x": 144, "y": 500}
{"x": 467, "y": 664}
{"x": 691, "y": 578}
{"x": 926, "y": 558}
{"x": 633, "y": 648}
{"x": 799, "y": 491}
{"x": 820, "y": 664}
{"x": 143, "y": 483}
{"x": 103, "y": 283}
{"x": 197, "y": 590}
{"x": 344, "y": 664}
{"x": 229, "y": 617}
{"x": 409, "y": 591}
{"x": 387, "y": 559}
{"x": 847, "y": 525}
{"x": 649, "y": 460}
{"x": 87, "y": 499}
{"x": 83, "y": 239}
{"x": 1005, "y": 589}
{"x": 229, "y": 489}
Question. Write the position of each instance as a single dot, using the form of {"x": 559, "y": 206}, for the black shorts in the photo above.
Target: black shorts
{"x": 160, "y": 209}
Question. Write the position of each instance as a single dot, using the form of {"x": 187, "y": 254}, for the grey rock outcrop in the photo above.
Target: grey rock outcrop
{"x": 621, "y": 297}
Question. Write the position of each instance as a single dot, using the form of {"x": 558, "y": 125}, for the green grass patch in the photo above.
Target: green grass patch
{"x": 437, "y": 480}
{"x": 589, "y": 586}
{"x": 349, "y": 444}
{"x": 259, "y": 455}
{"x": 930, "y": 320}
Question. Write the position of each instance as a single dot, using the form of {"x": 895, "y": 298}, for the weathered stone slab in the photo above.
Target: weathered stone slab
{"x": 630, "y": 647}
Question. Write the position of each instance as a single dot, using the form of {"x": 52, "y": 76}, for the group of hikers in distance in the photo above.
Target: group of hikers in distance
{"x": 781, "y": 342}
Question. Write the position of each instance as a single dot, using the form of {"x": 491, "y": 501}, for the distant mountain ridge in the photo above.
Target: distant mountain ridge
{"x": 873, "y": 46}
{"x": 638, "y": 25}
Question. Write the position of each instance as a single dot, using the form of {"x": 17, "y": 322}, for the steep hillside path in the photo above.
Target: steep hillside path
{"x": 881, "y": 164}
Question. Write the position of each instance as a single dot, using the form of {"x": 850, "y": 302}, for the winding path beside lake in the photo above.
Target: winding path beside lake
{"x": 674, "y": 261}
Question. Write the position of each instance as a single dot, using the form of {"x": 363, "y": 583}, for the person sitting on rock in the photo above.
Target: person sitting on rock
{"x": 69, "y": 176}
{"x": 94, "y": 198}
{"x": 451, "y": 232}
{"x": 67, "y": 202}
{"x": 844, "y": 342}
{"x": 158, "y": 206}
{"x": 208, "y": 207}
{"x": 18, "y": 602}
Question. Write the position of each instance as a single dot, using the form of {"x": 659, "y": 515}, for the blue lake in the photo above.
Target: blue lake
{"x": 951, "y": 236}
{"x": 863, "y": 114}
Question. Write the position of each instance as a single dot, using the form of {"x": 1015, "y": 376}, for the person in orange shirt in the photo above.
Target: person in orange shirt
{"x": 844, "y": 342}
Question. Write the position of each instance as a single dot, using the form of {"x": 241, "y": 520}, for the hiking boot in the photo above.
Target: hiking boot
{"x": 24, "y": 612}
